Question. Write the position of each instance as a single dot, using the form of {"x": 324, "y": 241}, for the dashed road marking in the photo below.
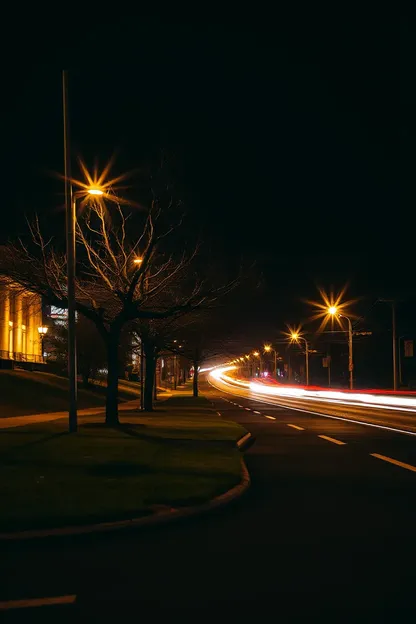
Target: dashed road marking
{"x": 29, "y": 603}
{"x": 270, "y": 417}
{"x": 396, "y": 462}
{"x": 219, "y": 413}
{"x": 248, "y": 409}
{"x": 254, "y": 412}
{"x": 296, "y": 427}
{"x": 334, "y": 440}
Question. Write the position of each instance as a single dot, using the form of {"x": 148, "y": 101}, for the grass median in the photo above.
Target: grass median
{"x": 183, "y": 454}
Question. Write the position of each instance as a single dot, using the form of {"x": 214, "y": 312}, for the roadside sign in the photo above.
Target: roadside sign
{"x": 326, "y": 361}
{"x": 408, "y": 348}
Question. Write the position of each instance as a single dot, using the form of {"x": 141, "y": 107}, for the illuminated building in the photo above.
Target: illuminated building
{"x": 20, "y": 320}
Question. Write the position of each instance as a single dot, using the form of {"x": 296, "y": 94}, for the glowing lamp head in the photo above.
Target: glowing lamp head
{"x": 95, "y": 191}
{"x": 332, "y": 310}
{"x": 42, "y": 330}
{"x": 267, "y": 348}
{"x": 256, "y": 353}
{"x": 294, "y": 336}
{"x": 138, "y": 260}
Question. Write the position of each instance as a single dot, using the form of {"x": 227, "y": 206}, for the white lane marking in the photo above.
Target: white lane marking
{"x": 37, "y": 602}
{"x": 248, "y": 409}
{"x": 334, "y": 440}
{"x": 270, "y": 417}
{"x": 396, "y": 462}
{"x": 254, "y": 412}
{"x": 296, "y": 427}
{"x": 219, "y": 413}
{"x": 342, "y": 418}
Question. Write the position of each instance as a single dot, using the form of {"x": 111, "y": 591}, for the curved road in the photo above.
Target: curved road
{"x": 325, "y": 533}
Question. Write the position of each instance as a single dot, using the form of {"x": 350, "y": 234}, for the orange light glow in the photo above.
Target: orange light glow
{"x": 99, "y": 185}
{"x": 331, "y": 307}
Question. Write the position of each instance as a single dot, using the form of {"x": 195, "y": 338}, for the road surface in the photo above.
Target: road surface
{"x": 326, "y": 533}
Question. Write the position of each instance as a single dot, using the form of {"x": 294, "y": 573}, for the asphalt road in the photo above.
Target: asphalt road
{"x": 325, "y": 533}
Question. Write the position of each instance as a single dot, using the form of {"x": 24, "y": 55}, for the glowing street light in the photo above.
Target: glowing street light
{"x": 333, "y": 311}
{"x": 268, "y": 348}
{"x": 296, "y": 337}
{"x": 137, "y": 260}
{"x": 95, "y": 191}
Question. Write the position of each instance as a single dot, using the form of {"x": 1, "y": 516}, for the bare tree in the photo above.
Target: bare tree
{"x": 126, "y": 270}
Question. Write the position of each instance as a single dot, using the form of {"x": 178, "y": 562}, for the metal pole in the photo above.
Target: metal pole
{"x": 155, "y": 382}
{"x": 329, "y": 367}
{"x": 70, "y": 211}
{"x": 307, "y": 362}
{"x": 141, "y": 375}
{"x": 275, "y": 364}
{"x": 393, "y": 320}
{"x": 350, "y": 360}
{"x": 400, "y": 362}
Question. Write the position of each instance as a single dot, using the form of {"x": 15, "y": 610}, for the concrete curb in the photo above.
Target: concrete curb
{"x": 162, "y": 517}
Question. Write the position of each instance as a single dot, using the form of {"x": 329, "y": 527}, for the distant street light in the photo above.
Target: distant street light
{"x": 333, "y": 311}
{"x": 257, "y": 355}
{"x": 296, "y": 337}
{"x": 137, "y": 260}
{"x": 268, "y": 348}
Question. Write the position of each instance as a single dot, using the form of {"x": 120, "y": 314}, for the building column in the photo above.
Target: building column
{"x": 5, "y": 315}
{"x": 17, "y": 324}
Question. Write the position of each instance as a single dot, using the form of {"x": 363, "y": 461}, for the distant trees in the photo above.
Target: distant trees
{"x": 130, "y": 267}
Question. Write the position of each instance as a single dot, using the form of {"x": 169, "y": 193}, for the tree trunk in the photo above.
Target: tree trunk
{"x": 195, "y": 380}
{"x": 155, "y": 382}
{"x": 149, "y": 380}
{"x": 111, "y": 407}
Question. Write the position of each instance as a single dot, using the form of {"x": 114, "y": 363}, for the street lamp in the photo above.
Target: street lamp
{"x": 42, "y": 332}
{"x": 333, "y": 311}
{"x": 296, "y": 337}
{"x": 71, "y": 262}
{"x": 268, "y": 348}
{"x": 257, "y": 355}
{"x": 137, "y": 260}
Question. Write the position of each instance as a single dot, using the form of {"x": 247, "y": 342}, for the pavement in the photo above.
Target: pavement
{"x": 325, "y": 533}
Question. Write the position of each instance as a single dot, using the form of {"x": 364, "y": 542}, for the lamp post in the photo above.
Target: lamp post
{"x": 42, "y": 332}
{"x": 296, "y": 338}
{"x": 268, "y": 348}
{"x": 333, "y": 311}
{"x": 71, "y": 263}
{"x": 257, "y": 355}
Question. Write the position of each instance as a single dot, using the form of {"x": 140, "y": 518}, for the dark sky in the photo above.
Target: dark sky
{"x": 283, "y": 134}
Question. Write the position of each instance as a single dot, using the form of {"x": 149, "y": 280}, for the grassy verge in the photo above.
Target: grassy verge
{"x": 181, "y": 455}
{"x": 24, "y": 392}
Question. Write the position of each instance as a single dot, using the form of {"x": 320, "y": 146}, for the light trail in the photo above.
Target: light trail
{"x": 378, "y": 401}
{"x": 369, "y": 410}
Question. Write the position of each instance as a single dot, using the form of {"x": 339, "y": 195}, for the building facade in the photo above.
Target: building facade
{"x": 20, "y": 318}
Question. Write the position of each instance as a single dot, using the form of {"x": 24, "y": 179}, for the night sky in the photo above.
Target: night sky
{"x": 283, "y": 136}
